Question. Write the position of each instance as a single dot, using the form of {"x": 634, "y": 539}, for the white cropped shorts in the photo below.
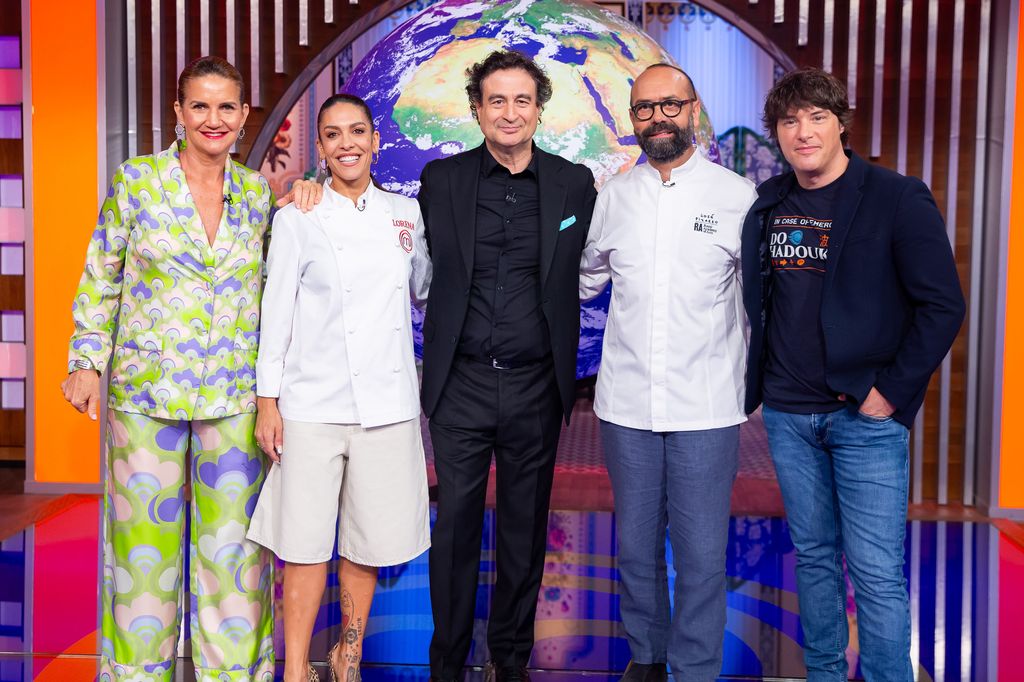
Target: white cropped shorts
{"x": 369, "y": 484}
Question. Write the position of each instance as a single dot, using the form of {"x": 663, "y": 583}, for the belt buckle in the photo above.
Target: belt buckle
{"x": 498, "y": 364}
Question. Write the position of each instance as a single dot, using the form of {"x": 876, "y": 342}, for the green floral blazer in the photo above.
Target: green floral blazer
{"x": 180, "y": 317}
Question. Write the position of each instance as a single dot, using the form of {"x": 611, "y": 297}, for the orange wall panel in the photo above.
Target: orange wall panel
{"x": 64, "y": 159}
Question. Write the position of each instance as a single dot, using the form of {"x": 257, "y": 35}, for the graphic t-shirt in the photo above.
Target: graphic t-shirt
{"x": 798, "y": 243}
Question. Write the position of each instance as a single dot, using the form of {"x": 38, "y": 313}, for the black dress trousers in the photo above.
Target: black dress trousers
{"x": 516, "y": 415}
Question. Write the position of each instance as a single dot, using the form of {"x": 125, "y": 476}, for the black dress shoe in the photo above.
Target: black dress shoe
{"x": 644, "y": 672}
{"x": 505, "y": 673}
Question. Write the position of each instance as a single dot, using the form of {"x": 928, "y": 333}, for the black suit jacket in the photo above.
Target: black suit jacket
{"x": 448, "y": 202}
{"x": 891, "y": 303}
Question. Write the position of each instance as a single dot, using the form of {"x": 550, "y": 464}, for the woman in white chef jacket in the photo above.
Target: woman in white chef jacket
{"x": 337, "y": 390}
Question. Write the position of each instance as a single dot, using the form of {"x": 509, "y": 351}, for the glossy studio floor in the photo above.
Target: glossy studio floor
{"x": 965, "y": 575}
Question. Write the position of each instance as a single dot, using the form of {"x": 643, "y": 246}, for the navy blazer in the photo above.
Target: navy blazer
{"x": 891, "y": 302}
{"x": 448, "y": 202}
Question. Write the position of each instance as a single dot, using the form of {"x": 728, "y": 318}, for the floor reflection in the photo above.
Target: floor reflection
{"x": 963, "y": 579}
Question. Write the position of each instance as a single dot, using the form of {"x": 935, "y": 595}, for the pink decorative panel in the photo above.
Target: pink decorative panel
{"x": 12, "y": 224}
{"x": 12, "y": 360}
{"x": 10, "y": 86}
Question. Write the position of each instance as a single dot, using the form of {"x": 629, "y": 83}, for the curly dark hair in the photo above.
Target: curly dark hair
{"x": 807, "y": 87}
{"x": 499, "y": 60}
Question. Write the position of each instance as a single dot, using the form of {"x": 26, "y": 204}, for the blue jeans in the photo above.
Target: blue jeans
{"x": 681, "y": 481}
{"x": 844, "y": 478}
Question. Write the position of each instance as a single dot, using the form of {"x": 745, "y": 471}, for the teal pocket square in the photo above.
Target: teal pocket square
{"x": 568, "y": 222}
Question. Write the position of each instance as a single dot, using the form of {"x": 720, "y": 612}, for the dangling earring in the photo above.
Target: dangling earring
{"x": 241, "y": 133}
{"x": 179, "y": 130}
{"x": 323, "y": 165}
{"x": 374, "y": 158}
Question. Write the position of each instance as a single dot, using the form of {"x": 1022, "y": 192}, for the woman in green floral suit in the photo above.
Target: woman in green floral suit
{"x": 171, "y": 296}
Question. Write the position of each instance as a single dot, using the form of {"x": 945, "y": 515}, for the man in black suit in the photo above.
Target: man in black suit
{"x": 506, "y": 223}
{"x": 853, "y": 299}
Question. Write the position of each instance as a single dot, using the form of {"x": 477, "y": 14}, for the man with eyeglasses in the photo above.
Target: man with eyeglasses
{"x": 666, "y": 234}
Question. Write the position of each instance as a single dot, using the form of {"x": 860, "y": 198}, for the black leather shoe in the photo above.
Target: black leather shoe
{"x": 505, "y": 673}
{"x": 644, "y": 672}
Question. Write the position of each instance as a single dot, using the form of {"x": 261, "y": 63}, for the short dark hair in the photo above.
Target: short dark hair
{"x": 344, "y": 98}
{"x": 807, "y": 87}
{"x": 210, "y": 66}
{"x": 500, "y": 60}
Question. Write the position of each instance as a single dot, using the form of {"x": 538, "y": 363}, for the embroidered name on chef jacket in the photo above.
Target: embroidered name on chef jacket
{"x": 405, "y": 235}
{"x": 706, "y": 223}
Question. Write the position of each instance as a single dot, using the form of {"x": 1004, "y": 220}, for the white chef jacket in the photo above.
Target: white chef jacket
{"x": 336, "y": 330}
{"x": 675, "y": 341}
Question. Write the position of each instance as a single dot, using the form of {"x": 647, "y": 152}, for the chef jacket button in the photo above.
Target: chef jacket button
{"x": 348, "y": 290}
{"x": 398, "y": 327}
{"x": 339, "y": 247}
{"x": 398, "y": 286}
{"x": 351, "y": 331}
{"x": 355, "y": 372}
{"x": 397, "y": 369}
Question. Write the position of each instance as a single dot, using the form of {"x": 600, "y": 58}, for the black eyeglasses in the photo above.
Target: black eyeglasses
{"x": 669, "y": 107}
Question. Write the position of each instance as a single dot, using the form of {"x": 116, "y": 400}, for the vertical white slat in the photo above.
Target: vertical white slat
{"x": 952, "y": 184}
{"x": 254, "y": 52}
{"x": 926, "y": 177}
{"x": 915, "y": 595}
{"x": 977, "y": 234}
{"x": 780, "y": 11}
{"x": 904, "y": 114}
{"x": 304, "y": 23}
{"x": 204, "y": 27}
{"x": 179, "y": 24}
{"x": 966, "y": 602}
{"x": 133, "y": 80}
{"x": 328, "y": 11}
{"x": 929, "y": 92}
{"x": 879, "y": 79}
{"x": 851, "y": 55}
{"x": 279, "y": 36}
{"x": 939, "y": 663}
{"x": 230, "y": 37}
{"x": 156, "y": 63}
{"x": 828, "y": 35}
{"x": 803, "y": 22}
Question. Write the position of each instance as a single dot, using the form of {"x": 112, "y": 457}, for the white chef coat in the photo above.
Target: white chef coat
{"x": 336, "y": 332}
{"x": 675, "y": 342}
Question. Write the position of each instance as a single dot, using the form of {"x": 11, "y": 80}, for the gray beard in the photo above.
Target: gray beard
{"x": 666, "y": 150}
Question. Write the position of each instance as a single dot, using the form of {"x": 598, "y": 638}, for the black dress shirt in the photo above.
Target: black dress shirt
{"x": 505, "y": 320}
